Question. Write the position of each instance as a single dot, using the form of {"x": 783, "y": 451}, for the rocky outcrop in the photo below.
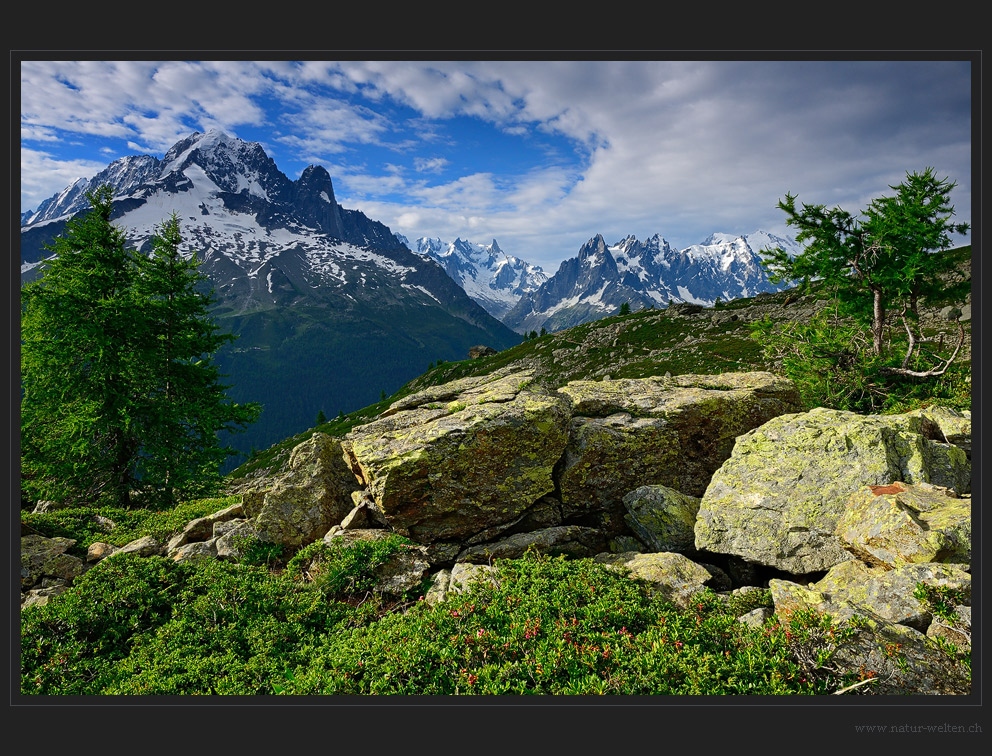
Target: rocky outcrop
{"x": 672, "y": 431}
{"x": 778, "y": 499}
{"x": 45, "y": 559}
{"x": 300, "y": 505}
{"x": 683, "y": 483}
{"x": 449, "y": 462}
{"x": 902, "y": 523}
{"x": 663, "y": 518}
{"x": 887, "y": 644}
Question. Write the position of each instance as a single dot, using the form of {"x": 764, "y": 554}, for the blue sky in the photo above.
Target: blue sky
{"x": 540, "y": 155}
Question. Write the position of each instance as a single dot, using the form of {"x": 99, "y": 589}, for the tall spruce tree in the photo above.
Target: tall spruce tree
{"x": 79, "y": 366}
{"x": 184, "y": 403}
{"x": 119, "y": 391}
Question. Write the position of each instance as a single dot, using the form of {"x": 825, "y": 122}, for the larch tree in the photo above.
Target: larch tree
{"x": 887, "y": 260}
{"x": 184, "y": 402}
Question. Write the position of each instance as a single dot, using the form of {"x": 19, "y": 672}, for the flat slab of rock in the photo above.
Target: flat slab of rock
{"x": 903, "y": 523}
{"x": 454, "y": 460}
{"x": 145, "y": 546}
{"x": 671, "y": 431}
{"x": 675, "y": 576}
{"x": 570, "y": 540}
{"x": 777, "y": 500}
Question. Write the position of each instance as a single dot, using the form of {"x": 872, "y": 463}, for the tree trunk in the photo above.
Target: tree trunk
{"x": 877, "y": 322}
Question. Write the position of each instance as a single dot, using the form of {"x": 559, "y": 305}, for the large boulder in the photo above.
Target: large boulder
{"x": 902, "y": 523}
{"x": 300, "y": 505}
{"x": 451, "y": 461}
{"x": 670, "y": 431}
{"x": 778, "y": 498}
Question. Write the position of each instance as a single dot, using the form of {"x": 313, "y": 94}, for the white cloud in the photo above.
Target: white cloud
{"x": 680, "y": 148}
{"x": 36, "y": 164}
{"x": 430, "y": 165}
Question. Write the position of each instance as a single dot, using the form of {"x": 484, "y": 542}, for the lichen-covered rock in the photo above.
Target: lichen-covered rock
{"x": 231, "y": 537}
{"x": 365, "y": 514}
{"x": 903, "y": 523}
{"x": 674, "y": 576}
{"x": 570, "y": 540}
{"x": 41, "y": 596}
{"x": 671, "y": 431}
{"x": 662, "y": 517}
{"x": 299, "y": 505}
{"x": 194, "y": 551}
{"x": 98, "y": 550}
{"x": 454, "y": 460}
{"x": 202, "y": 528}
{"x": 458, "y": 580}
{"x": 900, "y": 659}
{"x": 956, "y": 629}
{"x": 402, "y": 571}
{"x": 756, "y": 617}
{"x": 778, "y": 498}
{"x": 946, "y": 424}
{"x": 145, "y": 546}
{"x": 338, "y": 536}
{"x": 854, "y": 587}
{"x": 438, "y": 591}
{"x": 43, "y": 557}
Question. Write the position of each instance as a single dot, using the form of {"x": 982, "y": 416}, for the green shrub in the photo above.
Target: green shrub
{"x": 343, "y": 570}
{"x": 831, "y": 360}
{"x": 553, "y": 626}
{"x": 152, "y": 626}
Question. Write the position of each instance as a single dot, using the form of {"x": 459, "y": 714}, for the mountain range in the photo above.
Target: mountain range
{"x": 602, "y": 278}
{"x": 488, "y": 275}
{"x": 329, "y": 307}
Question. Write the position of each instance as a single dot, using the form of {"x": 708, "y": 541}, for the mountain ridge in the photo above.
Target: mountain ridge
{"x": 601, "y": 278}
{"x": 316, "y": 293}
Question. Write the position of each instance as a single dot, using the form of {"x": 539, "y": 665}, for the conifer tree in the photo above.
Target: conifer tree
{"x": 184, "y": 402}
{"x": 883, "y": 261}
{"x": 120, "y": 394}
{"x": 78, "y": 364}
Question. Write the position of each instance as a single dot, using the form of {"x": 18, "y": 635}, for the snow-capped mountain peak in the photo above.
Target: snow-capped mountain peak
{"x": 486, "y": 272}
{"x": 601, "y": 278}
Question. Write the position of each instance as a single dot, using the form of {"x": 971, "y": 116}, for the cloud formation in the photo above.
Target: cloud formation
{"x": 540, "y": 155}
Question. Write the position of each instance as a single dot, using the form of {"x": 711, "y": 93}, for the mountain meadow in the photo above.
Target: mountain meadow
{"x": 731, "y": 500}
